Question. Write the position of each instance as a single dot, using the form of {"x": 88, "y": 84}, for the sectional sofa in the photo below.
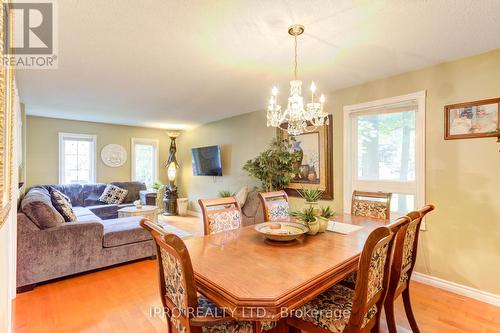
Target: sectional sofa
{"x": 49, "y": 248}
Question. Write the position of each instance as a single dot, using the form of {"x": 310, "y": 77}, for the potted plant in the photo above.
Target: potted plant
{"x": 226, "y": 194}
{"x": 325, "y": 214}
{"x": 275, "y": 166}
{"x": 311, "y": 195}
{"x": 309, "y": 218}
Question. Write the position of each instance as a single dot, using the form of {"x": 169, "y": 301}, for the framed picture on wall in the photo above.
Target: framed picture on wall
{"x": 476, "y": 119}
{"x": 315, "y": 169}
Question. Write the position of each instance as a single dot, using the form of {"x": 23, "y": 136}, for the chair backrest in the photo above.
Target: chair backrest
{"x": 220, "y": 214}
{"x": 371, "y": 204}
{"x": 275, "y": 206}
{"x": 372, "y": 279}
{"x": 177, "y": 283}
{"x": 405, "y": 251}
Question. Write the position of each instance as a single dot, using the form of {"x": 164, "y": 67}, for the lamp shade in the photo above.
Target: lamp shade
{"x": 171, "y": 171}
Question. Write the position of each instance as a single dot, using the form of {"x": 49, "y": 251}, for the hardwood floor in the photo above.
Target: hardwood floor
{"x": 119, "y": 299}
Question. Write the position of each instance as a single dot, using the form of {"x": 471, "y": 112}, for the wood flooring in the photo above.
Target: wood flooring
{"x": 119, "y": 299}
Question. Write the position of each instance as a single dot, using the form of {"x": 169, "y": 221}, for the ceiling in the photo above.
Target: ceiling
{"x": 176, "y": 64}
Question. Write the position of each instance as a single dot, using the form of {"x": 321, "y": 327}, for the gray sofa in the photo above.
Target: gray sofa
{"x": 49, "y": 248}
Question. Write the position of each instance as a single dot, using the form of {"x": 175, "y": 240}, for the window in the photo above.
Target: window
{"x": 145, "y": 160}
{"x": 384, "y": 150}
{"x": 76, "y": 158}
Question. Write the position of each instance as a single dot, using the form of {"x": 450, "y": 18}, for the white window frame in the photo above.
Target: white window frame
{"x": 92, "y": 163}
{"x": 350, "y": 158}
{"x": 153, "y": 142}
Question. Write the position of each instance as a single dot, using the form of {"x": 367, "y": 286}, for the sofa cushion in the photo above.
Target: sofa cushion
{"x": 123, "y": 231}
{"x": 91, "y": 194}
{"x": 38, "y": 207}
{"x": 62, "y": 204}
{"x": 113, "y": 195}
{"x": 133, "y": 188}
{"x": 83, "y": 214}
{"x": 73, "y": 191}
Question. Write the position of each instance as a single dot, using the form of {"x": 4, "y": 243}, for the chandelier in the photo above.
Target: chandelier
{"x": 296, "y": 119}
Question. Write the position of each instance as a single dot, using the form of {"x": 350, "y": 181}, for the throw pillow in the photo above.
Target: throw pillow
{"x": 51, "y": 189}
{"x": 113, "y": 195}
{"x": 62, "y": 205}
{"x": 241, "y": 196}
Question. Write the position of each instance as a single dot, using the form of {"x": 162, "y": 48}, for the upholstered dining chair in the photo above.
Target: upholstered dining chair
{"x": 341, "y": 309}
{"x": 405, "y": 253}
{"x": 275, "y": 206}
{"x": 186, "y": 311}
{"x": 220, "y": 214}
{"x": 371, "y": 204}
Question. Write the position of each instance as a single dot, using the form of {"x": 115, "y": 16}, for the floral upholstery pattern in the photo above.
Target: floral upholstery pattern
{"x": 174, "y": 280}
{"x": 376, "y": 270}
{"x": 408, "y": 244}
{"x": 208, "y": 308}
{"x": 223, "y": 221}
{"x": 278, "y": 210}
{"x": 375, "y": 209}
{"x": 174, "y": 286}
{"x": 331, "y": 310}
{"x": 403, "y": 278}
{"x": 350, "y": 280}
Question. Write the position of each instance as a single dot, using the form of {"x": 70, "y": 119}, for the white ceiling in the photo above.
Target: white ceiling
{"x": 172, "y": 64}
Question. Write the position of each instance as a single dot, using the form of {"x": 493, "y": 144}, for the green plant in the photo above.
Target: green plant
{"x": 226, "y": 194}
{"x": 157, "y": 185}
{"x": 305, "y": 215}
{"x": 327, "y": 212}
{"x": 311, "y": 194}
{"x": 274, "y": 167}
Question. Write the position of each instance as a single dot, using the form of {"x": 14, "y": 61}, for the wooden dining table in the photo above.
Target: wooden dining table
{"x": 261, "y": 281}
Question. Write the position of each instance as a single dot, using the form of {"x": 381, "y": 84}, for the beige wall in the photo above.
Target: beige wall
{"x": 240, "y": 138}
{"x": 43, "y": 140}
{"x": 462, "y": 243}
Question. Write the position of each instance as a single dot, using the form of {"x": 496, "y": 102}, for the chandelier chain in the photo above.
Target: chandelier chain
{"x": 295, "y": 76}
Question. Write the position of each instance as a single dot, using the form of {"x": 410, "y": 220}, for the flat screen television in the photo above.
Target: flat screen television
{"x": 206, "y": 161}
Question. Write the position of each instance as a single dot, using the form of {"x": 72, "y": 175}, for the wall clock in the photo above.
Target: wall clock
{"x": 113, "y": 155}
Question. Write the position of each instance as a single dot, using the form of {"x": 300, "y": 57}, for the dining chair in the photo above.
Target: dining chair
{"x": 185, "y": 309}
{"x": 405, "y": 253}
{"x": 275, "y": 206}
{"x": 341, "y": 309}
{"x": 371, "y": 204}
{"x": 220, "y": 214}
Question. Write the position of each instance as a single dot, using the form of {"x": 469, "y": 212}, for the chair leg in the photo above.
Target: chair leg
{"x": 409, "y": 310}
{"x": 389, "y": 315}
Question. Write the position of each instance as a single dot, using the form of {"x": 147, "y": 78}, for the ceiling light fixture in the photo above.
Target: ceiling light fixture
{"x": 296, "y": 119}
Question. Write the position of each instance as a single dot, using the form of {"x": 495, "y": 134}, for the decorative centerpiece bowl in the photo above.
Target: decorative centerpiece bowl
{"x": 281, "y": 231}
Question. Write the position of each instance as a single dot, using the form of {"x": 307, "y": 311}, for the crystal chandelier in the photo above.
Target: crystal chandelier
{"x": 296, "y": 119}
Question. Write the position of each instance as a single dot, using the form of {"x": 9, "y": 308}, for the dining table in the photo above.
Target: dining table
{"x": 259, "y": 280}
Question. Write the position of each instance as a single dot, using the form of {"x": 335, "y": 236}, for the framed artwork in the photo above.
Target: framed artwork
{"x": 7, "y": 96}
{"x": 477, "y": 119}
{"x": 315, "y": 168}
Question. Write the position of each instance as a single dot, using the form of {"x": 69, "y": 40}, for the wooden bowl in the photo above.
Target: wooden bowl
{"x": 288, "y": 231}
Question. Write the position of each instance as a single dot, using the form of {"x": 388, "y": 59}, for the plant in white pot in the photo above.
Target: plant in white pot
{"x": 308, "y": 217}
{"x": 311, "y": 196}
{"x": 324, "y": 217}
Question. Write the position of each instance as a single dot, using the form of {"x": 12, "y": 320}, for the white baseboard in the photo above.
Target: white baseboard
{"x": 456, "y": 288}
{"x": 194, "y": 213}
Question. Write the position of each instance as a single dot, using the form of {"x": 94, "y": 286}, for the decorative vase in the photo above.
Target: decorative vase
{"x": 312, "y": 176}
{"x": 296, "y": 166}
{"x": 314, "y": 206}
{"x": 304, "y": 171}
{"x": 313, "y": 227}
{"x": 323, "y": 224}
